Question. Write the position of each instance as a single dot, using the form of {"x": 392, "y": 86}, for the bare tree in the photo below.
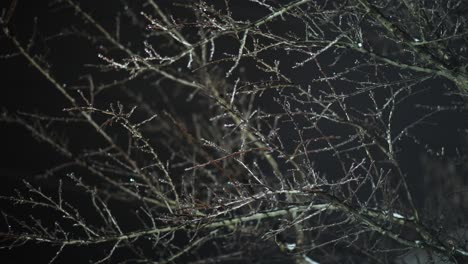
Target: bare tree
{"x": 254, "y": 130}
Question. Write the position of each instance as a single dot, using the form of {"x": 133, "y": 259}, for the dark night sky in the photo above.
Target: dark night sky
{"x": 26, "y": 90}
{"x": 23, "y": 89}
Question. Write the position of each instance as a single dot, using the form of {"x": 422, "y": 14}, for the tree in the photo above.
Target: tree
{"x": 199, "y": 132}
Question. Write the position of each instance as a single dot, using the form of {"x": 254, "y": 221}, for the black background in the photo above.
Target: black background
{"x": 24, "y": 89}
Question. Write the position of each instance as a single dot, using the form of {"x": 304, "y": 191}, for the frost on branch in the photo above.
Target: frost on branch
{"x": 231, "y": 131}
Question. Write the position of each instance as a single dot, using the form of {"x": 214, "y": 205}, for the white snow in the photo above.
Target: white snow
{"x": 397, "y": 215}
{"x": 309, "y": 260}
{"x": 291, "y": 246}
